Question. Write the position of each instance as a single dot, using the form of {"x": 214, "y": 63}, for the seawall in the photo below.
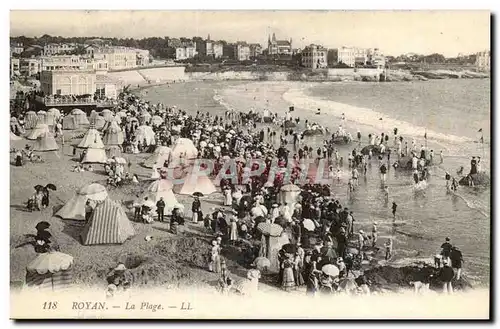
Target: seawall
{"x": 160, "y": 75}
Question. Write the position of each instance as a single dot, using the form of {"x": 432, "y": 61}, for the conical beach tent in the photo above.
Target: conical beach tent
{"x": 158, "y": 158}
{"x": 80, "y": 117}
{"x": 107, "y": 225}
{"x": 39, "y": 130}
{"x": 107, "y": 114}
{"x": 42, "y": 117}
{"x": 51, "y": 271}
{"x": 95, "y": 154}
{"x": 92, "y": 137}
{"x": 184, "y": 147}
{"x": 162, "y": 188}
{"x": 52, "y": 116}
{"x": 145, "y": 133}
{"x": 30, "y": 119}
{"x": 69, "y": 122}
{"x": 74, "y": 208}
{"x": 197, "y": 182}
{"x": 46, "y": 142}
{"x": 113, "y": 134}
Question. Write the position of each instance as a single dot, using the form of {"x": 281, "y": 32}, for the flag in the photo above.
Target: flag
{"x": 480, "y": 130}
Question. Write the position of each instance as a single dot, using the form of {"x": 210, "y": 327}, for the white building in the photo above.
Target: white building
{"x": 352, "y": 56}
{"x": 185, "y": 52}
{"x": 57, "y": 48}
{"x": 314, "y": 57}
{"x": 65, "y": 62}
{"x": 68, "y": 82}
{"x": 15, "y": 67}
{"x": 483, "y": 60}
{"x": 242, "y": 51}
{"x": 118, "y": 58}
{"x": 30, "y": 66}
{"x": 106, "y": 87}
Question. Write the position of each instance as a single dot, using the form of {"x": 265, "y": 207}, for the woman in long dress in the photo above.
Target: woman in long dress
{"x": 288, "y": 281}
{"x": 233, "y": 236}
{"x": 214, "y": 261}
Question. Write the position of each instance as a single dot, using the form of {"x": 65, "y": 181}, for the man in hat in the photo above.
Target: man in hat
{"x": 160, "y": 208}
{"x": 120, "y": 277}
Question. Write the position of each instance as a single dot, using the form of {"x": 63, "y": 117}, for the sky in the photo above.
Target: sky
{"x": 424, "y": 32}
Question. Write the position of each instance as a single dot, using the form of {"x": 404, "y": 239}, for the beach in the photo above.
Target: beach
{"x": 423, "y": 221}
{"x": 424, "y": 218}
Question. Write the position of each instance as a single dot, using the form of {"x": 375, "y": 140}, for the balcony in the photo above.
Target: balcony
{"x": 69, "y": 101}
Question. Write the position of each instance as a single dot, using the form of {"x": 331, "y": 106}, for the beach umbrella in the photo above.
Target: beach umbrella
{"x": 198, "y": 194}
{"x": 43, "y": 225}
{"x": 348, "y": 284}
{"x": 308, "y": 224}
{"x": 289, "y": 248}
{"x": 148, "y": 203}
{"x": 330, "y": 269}
{"x": 157, "y": 120}
{"x": 50, "y": 262}
{"x": 111, "y": 160}
{"x": 270, "y": 229}
{"x": 203, "y": 144}
{"x": 210, "y": 145}
{"x": 262, "y": 263}
{"x": 232, "y": 132}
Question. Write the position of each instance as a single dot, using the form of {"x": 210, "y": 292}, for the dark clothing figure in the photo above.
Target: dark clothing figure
{"x": 160, "y": 209}
{"x": 473, "y": 166}
{"x": 446, "y": 249}
{"x": 394, "y": 208}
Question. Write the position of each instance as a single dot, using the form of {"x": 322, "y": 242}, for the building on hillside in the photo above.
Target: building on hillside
{"x": 68, "y": 82}
{"x": 15, "y": 67}
{"x": 118, "y": 58}
{"x": 352, "y": 56}
{"x": 279, "y": 47}
{"x": 241, "y": 51}
{"x": 100, "y": 66}
{"x": 106, "y": 87}
{"x": 255, "y": 50}
{"x": 58, "y": 48}
{"x": 186, "y": 51}
{"x": 483, "y": 60}
{"x": 375, "y": 58}
{"x": 209, "y": 48}
{"x": 314, "y": 57}
{"x": 30, "y": 66}
{"x": 16, "y": 48}
{"x": 64, "y": 62}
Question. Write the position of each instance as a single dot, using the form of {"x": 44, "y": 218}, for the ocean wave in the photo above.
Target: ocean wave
{"x": 365, "y": 116}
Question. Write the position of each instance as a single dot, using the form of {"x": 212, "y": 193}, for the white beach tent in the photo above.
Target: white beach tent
{"x": 162, "y": 188}
{"x": 113, "y": 134}
{"x": 91, "y": 137}
{"x": 40, "y": 129}
{"x": 46, "y": 142}
{"x": 74, "y": 208}
{"x": 30, "y": 119}
{"x": 80, "y": 117}
{"x": 145, "y": 133}
{"x": 184, "y": 148}
{"x": 95, "y": 154}
{"x": 158, "y": 158}
{"x": 42, "y": 117}
{"x": 69, "y": 122}
{"x": 53, "y": 115}
{"x": 98, "y": 122}
{"x": 107, "y": 114}
{"x": 197, "y": 182}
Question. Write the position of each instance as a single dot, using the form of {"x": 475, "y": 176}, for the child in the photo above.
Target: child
{"x": 388, "y": 249}
{"x": 394, "y": 207}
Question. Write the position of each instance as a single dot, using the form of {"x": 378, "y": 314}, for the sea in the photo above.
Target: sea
{"x": 450, "y": 113}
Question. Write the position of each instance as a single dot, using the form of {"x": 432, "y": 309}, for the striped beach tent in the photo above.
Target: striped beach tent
{"x": 107, "y": 225}
{"x": 51, "y": 271}
{"x": 30, "y": 119}
{"x": 39, "y": 130}
{"x": 74, "y": 208}
{"x": 113, "y": 134}
{"x": 69, "y": 122}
